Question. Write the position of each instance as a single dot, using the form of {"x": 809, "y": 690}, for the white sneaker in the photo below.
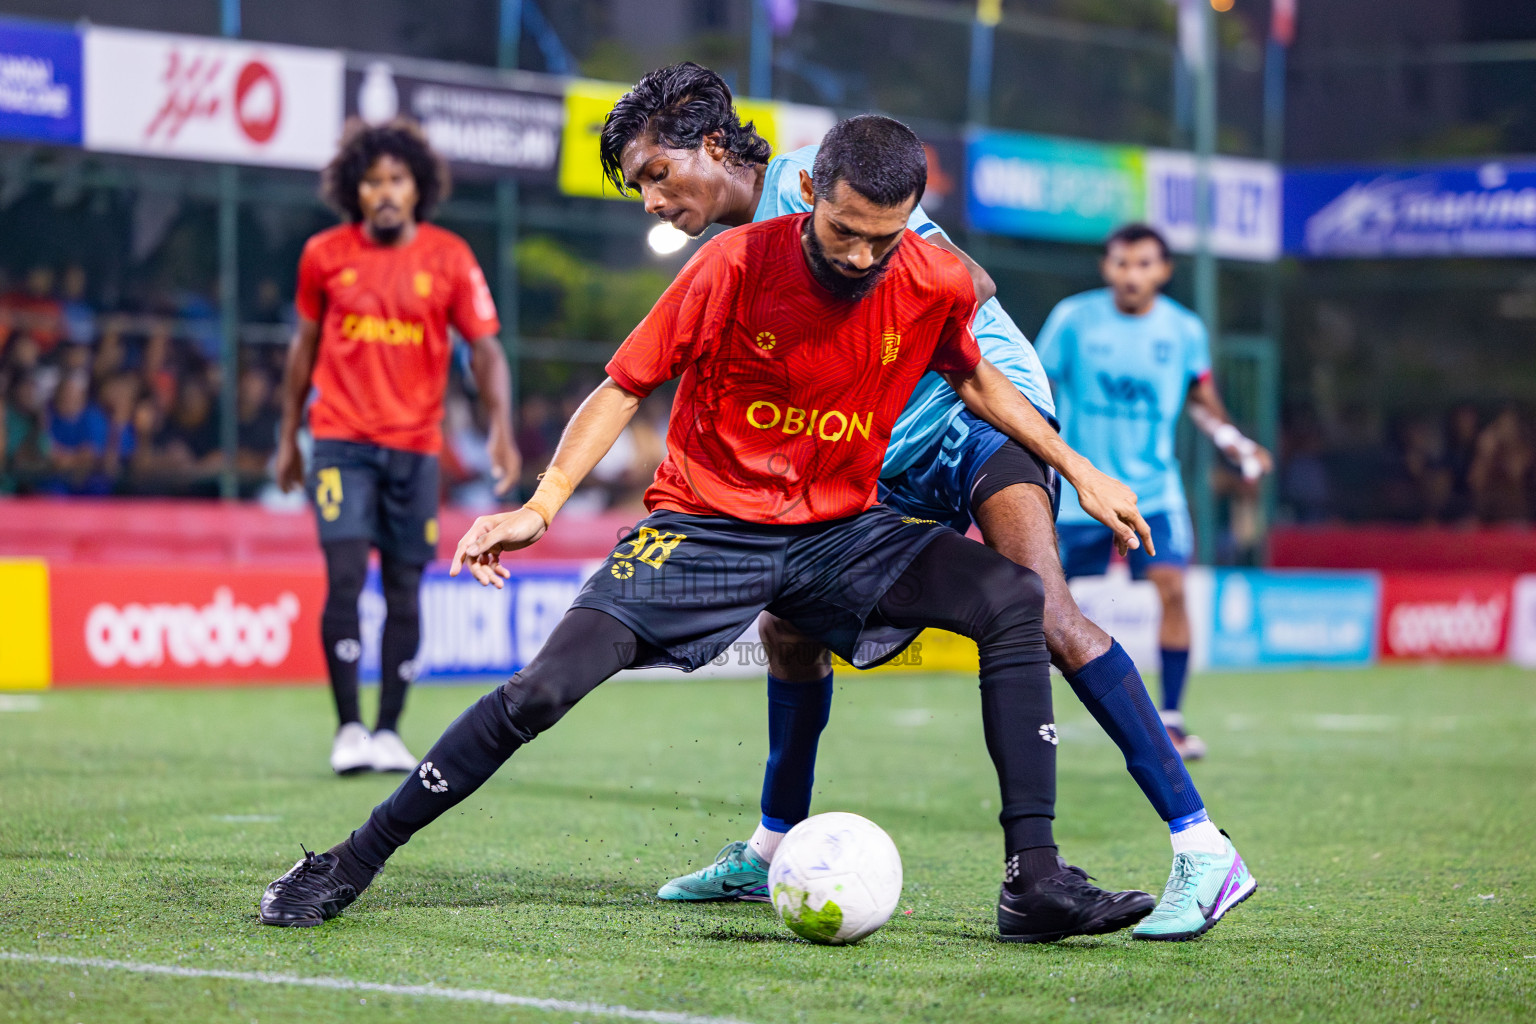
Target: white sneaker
{"x": 351, "y": 751}
{"x": 389, "y": 753}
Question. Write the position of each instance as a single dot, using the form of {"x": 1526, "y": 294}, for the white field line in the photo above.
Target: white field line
{"x": 462, "y": 995}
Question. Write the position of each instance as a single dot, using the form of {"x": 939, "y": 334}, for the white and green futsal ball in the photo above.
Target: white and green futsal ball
{"x": 835, "y": 878}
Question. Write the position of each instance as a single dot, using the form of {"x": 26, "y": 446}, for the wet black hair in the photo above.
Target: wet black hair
{"x": 1130, "y": 234}
{"x": 678, "y": 106}
{"x": 362, "y": 144}
{"x": 879, "y": 157}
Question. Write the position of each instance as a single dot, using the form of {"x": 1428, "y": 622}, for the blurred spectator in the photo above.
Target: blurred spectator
{"x": 187, "y": 447}
{"x": 79, "y": 319}
{"x": 1303, "y": 475}
{"x": 1427, "y": 468}
{"x": 159, "y": 376}
{"x": 144, "y": 465}
{"x": 111, "y": 355}
{"x": 34, "y": 310}
{"x": 26, "y": 435}
{"x": 78, "y": 433}
{"x": 119, "y": 395}
{"x": 1462, "y": 426}
{"x": 1501, "y": 470}
{"x": 257, "y": 419}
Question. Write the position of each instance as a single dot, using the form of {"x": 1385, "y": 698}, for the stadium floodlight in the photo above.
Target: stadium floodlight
{"x": 664, "y": 239}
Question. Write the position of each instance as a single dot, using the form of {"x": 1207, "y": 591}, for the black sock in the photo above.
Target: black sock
{"x": 402, "y": 637}
{"x": 585, "y": 648}
{"x": 1025, "y": 867}
{"x": 346, "y": 566}
{"x": 351, "y": 867}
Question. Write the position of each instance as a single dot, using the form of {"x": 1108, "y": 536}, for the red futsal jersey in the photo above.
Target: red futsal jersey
{"x": 384, "y": 313}
{"x": 788, "y": 395}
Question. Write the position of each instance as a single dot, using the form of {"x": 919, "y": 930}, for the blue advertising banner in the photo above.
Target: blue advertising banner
{"x": 1287, "y": 618}
{"x": 1486, "y": 209}
{"x": 39, "y": 83}
{"x": 470, "y": 631}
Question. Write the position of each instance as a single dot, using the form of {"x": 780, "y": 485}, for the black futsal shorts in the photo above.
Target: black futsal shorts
{"x": 688, "y": 585}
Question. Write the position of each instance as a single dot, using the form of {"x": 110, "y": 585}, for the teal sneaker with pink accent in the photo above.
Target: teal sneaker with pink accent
{"x": 1200, "y": 890}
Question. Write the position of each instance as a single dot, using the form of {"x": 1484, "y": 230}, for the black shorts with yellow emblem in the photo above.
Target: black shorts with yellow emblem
{"x": 385, "y": 496}
{"x": 688, "y": 585}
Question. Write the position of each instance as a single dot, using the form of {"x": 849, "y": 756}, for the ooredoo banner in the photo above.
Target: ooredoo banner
{"x": 196, "y": 98}
{"x": 148, "y": 624}
{"x": 1445, "y": 615}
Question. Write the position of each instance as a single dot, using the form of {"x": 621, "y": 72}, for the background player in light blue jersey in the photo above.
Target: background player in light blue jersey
{"x": 677, "y": 140}
{"x": 1124, "y": 360}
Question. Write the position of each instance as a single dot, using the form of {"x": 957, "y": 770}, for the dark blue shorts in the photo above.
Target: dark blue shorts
{"x": 969, "y": 463}
{"x": 385, "y": 496}
{"x": 688, "y": 585}
{"x": 1086, "y": 547}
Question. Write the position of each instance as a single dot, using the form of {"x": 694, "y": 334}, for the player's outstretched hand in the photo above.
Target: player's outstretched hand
{"x": 480, "y": 548}
{"x": 1114, "y": 504}
{"x": 290, "y": 465}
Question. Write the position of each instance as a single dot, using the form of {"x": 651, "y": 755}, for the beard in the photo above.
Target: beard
{"x": 386, "y": 234}
{"x": 827, "y": 275}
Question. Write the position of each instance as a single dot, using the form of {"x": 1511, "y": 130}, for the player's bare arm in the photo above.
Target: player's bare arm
{"x": 587, "y": 438}
{"x": 986, "y": 288}
{"x": 488, "y": 362}
{"x": 1209, "y": 413}
{"x": 298, "y": 368}
{"x": 993, "y": 397}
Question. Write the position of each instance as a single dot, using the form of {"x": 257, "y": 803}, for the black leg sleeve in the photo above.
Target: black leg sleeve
{"x": 346, "y": 567}
{"x": 402, "y": 636}
{"x": 966, "y": 588}
{"x": 586, "y": 648}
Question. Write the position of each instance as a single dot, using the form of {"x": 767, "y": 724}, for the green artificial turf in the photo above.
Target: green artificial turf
{"x": 1389, "y": 816}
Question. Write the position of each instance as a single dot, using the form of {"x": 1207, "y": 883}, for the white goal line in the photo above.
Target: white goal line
{"x": 462, "y": 995}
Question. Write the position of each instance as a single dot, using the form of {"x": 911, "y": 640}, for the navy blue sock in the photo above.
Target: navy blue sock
{"x": 1175, "y": 671}
{"x": 797, "y": 713}
{"x": 1111, "y": 689}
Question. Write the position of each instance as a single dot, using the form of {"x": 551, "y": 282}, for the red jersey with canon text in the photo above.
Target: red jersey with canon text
{"x": 384, "y": 313}
{"x": 788, "y": 395}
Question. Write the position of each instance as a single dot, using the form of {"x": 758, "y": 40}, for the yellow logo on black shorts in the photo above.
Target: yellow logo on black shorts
{"x": 328, "y": 493}
{"x": 653, "y": 547}
{"x": 430, "y": 531}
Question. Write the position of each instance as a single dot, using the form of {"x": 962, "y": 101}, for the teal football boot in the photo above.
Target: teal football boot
{"x": 736, "y": 874}
{"x": 1201, "y": 888}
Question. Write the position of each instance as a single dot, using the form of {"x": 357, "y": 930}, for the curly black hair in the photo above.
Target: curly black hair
{"x": 362, "y": 144}
{"x": 678, "y": 106}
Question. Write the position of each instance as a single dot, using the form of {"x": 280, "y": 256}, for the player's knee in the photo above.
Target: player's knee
{"x": 792, "y": 656}
{"x": 1015, "y": 599}
{"x": 401, "y": 584}
{"x": 534, "y": 701}
{"x": 346, "y": 568}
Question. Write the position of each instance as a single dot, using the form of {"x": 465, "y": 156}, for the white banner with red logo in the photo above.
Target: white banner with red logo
{"x": 1445, "y": 614}
{"x": 196, "y": 98}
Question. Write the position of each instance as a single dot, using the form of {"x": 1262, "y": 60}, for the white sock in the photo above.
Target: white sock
{"x": 1204, "y": 837}
{"x": 765, "y": 842}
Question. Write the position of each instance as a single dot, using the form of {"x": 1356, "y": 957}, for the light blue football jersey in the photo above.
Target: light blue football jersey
{"x": 1120, "y": 386}
{"x": 934, "y": 403}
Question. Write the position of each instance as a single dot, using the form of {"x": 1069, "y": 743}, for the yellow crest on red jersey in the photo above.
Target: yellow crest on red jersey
{"x": 891, "y": 348}
{"x": 766, "y": 340}
{"x": 347, "y": 278}
{"x": 422, "y": 282}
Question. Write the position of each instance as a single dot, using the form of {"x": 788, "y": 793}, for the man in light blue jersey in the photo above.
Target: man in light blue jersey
{"x": 677, "y": 140}
{"x": 1124, "y": 359}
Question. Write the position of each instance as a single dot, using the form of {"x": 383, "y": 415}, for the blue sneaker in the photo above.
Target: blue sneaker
{"x": 736, "y": 874}
{"x": 1201, "y": 888}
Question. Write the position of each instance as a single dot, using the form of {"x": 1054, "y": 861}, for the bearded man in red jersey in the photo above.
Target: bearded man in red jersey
{"x": 375, "y": 298}
{"x": 798, "y": 341}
